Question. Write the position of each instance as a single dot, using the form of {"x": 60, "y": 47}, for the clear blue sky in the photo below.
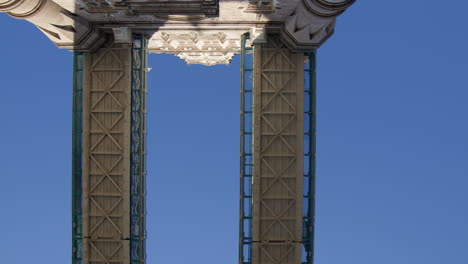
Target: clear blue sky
{"x": 392, "y": 175}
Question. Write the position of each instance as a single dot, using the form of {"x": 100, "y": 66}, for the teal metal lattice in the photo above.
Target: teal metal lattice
{"x": 309, "y": 158}
{"x": 246, "y": 162}
{"x": 77, "y": 138}
{"x": 138, "y": 151}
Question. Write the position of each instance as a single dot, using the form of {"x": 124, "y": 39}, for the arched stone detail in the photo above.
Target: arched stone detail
{"x": 312, "y": 23}
{"x": 65, "y": 29}
{"x": 303, "y": 25}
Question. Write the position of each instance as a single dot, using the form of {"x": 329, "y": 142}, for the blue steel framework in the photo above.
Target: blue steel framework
{"x": 309, "y": 158}
{"x": 138, "y": 151}
{"x": 246, "y": 162}
{"x": 77, "y": 138}
{"x": 138, "y": 154}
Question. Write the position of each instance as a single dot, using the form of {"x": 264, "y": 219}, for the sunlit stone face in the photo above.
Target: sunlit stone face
{"x": 17, "y": 5}
{"x": 199, "y": 31}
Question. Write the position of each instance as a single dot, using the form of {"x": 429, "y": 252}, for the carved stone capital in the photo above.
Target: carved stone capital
{"x": 64, "y": 28}
{"x": 328, "y": 7}
{"x": 199, "y": 31}
{"x": 22, "y": 9}
{"x": 312, "y": 23}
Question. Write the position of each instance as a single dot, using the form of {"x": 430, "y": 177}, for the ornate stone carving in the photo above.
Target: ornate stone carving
{"x": 204, "y": 47}
{"x": 312, "y": 23}
{"x": 64, "y": 28}
{"x": 191, "y": 29}
{"x": 206, "y": 58}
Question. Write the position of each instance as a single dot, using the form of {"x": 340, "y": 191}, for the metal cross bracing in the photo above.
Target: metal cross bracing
{"x": 138, "y": 151}
{"x": 276, "y": 198}
{"x": 77, "y": 152}
{"x": 283, "y": 176}
{"x": 246, "y": 162}
{"x": 278, "y": 93}
{"x": 106, "y": 139}
{"x": 278, "y": 153}
{"x": 109, "y": 152}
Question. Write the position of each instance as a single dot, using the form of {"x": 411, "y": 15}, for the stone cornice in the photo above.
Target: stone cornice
{"x": 7, "y": 5}
{"x": 22, "y": 9}
{"x": 312, "y": 23}
{"x": 64, "y": 28}
{"x": 332, "y": 7}
{"x": 191, "y": 7}
{"x": 83, "y": 25}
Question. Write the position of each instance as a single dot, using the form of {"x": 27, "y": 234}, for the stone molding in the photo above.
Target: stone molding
{"x": 206, "y": 47}
{"x": 191, "y": 31}
{"x": 62, "y": 27}
{"x": 261, "y": 6}
{"x": 312, "y": 23}
{"x": 206, "y": 7}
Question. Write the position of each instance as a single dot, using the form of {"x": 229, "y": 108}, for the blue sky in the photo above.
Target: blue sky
{"x": 392, "y": 165}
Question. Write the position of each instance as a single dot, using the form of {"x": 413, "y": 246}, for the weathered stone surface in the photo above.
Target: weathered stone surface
{"x": 64, "y": 28}
{"x": 199, "y": 31}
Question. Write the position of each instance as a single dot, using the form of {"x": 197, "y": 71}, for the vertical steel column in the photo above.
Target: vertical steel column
{"x": 138, "y": 151}
{"x": 309, "y": 149}
{"x": 309, "y": 157}
{"x": 106, "y": 154}
{"x": 278, "y": 142}
{"x": 77, "y": 152}
{"x": 246, "y": 164}
{"x": 113, "y": 181}
{"x": 109, "y": 193}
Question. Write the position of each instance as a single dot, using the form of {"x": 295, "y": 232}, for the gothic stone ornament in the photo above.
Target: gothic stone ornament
{"x": 204, "y": 47}
{"x": 82, "y": 25}
{"x": 312, "y": 23}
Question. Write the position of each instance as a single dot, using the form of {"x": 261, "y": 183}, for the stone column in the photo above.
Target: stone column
{"x": 277, "y": 153}
{"x": 113, "y": 154}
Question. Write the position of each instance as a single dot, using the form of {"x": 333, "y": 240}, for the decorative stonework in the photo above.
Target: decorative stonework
{"x": 328, "y": 7}
{"x": 206, "y": 58}
{"x": 206, "y": 7}
{"x": 312, "y": 23}
{"x": 261, "y": 6}
{"x": 65, "y": 29}
{"x": 207, "y": 48}
{"x": 303, "y": 25}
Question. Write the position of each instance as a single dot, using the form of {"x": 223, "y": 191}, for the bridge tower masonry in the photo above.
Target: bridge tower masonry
{"x": 111, "y": 39}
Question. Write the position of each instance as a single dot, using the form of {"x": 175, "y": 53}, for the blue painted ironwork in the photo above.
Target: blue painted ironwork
{"x": 77, "y": 153}
{"x": 309, "y": 158}
{"x": 246, "y": 161}
{"x": 138, "y": 151}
